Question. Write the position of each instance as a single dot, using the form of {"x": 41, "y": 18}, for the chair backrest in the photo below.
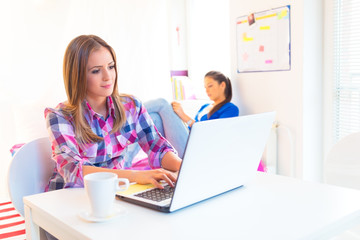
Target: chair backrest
{"x": 342, "y": 165}
{"x": 30, "y": 171}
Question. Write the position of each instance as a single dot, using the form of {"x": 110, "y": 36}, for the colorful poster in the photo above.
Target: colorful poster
{"x": 263, "y": 41}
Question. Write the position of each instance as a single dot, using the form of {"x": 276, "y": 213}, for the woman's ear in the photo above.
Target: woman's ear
{"x": 223, "y": 85}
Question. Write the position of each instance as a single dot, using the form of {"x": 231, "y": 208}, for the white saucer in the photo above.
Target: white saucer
{"x": 88, "y": 216}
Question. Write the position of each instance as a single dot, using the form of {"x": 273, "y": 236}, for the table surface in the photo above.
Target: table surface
{"x": 271, "y": 207}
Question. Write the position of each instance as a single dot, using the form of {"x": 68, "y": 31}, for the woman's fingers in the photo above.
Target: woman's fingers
{"x": 157, "y": 175}
{"x": 168, "y": 180}
{"x": 172, "y": 176}
{"x": 166, "y": 176}
{"x": 176, "y": 105}
{"x": 156, "y": 183}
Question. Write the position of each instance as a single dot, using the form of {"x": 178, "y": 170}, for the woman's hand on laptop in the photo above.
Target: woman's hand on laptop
{"x": 155, "y": 176}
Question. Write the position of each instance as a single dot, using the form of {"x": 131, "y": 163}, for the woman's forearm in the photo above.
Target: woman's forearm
{"x": 171, "y": 162}
{"x": 129, "y": 174}
{"x": 186, "y": 119}
{"x": 182, "y": 115}
{"x": 144, "y": 177}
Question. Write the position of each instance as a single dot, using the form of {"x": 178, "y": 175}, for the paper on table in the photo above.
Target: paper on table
{"x": 133, "y": 188}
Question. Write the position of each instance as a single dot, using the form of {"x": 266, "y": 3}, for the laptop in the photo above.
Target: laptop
{"x": 222, "y": 153}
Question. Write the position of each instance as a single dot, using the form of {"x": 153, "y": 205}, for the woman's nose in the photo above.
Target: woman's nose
{"x": 106, "y": 75}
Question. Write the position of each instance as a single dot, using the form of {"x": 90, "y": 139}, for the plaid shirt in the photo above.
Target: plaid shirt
{"x": 109, "y": 153}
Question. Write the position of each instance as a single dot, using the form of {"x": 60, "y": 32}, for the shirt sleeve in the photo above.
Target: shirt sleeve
{"x": 65, "y": 149}
{"x": 150, "y": 140}
{"x": 197, "y": 119}
{"x": 230, "y": 111}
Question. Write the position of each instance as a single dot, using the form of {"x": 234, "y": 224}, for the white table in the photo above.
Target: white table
{"x": 272, "y": 207}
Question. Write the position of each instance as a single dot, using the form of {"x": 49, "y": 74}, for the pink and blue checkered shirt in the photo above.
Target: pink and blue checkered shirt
{"x": 111, "y": 152}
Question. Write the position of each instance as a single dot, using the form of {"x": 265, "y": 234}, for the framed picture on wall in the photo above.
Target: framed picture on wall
{"x": 263, "y": 41}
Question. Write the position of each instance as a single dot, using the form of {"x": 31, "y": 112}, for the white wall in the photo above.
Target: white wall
{"x": 208, "y": 39}
{"x": 328, "y": 77}
{"x": 276, "y": 91}
{"x": 177, "y": 23}
{"x": 34, "y": 36}
{"x": 313, "y": 107}
{"x": 296, "y": 94}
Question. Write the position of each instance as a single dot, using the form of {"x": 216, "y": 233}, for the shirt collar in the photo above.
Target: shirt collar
{"x": 111, "y": 106}
{"x": 93, "y": 114}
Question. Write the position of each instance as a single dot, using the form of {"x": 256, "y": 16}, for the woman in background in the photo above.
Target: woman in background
{"x": 218, "y": 88}
{"x": 171, "y": 118}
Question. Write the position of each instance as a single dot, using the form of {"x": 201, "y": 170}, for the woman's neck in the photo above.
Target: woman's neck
{"x": 99, "y": 106}
{"x": 219, "y": 100}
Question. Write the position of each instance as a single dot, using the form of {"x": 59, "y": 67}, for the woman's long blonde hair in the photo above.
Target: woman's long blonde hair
{"x": 74, "y": 70}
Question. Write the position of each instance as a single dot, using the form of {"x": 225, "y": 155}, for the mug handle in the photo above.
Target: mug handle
{"x": 122, "y": 187}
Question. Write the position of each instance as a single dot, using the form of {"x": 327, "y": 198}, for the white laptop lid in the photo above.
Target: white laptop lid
{"x": 221, "y": 155}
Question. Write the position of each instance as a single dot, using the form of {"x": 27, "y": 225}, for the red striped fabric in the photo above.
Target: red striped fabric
{"x": 10, "y": 216}
{"x": 12, "y": 234}
{"x": 7, "y": 209}
{"x": 12, "y": 224}
{"x": 4, "y": 203}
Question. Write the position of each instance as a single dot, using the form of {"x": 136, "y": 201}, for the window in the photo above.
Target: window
{"x": 346, "y": 75}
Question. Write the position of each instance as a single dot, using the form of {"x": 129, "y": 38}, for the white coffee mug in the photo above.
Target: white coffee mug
{"x": 101, "y": 188}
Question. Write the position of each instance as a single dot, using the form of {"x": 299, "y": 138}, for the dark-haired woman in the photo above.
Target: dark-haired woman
{"x": 218, "y": 88}
{"x": 170, "y": 119}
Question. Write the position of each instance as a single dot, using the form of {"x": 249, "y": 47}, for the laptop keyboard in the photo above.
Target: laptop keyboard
{"x": 157, "y": 194}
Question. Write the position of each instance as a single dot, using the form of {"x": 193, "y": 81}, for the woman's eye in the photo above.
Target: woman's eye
{"x": 112, "y": 67}
{"x": 95, "y": 71}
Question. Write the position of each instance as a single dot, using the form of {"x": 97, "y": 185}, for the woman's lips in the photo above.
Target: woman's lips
{"x": 107, "y": 86}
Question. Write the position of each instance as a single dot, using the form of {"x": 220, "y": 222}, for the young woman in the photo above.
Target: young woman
{"x": 171, "y": 118}
{"x": 218, "y": 88}
{"x": 95, "y": 128}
